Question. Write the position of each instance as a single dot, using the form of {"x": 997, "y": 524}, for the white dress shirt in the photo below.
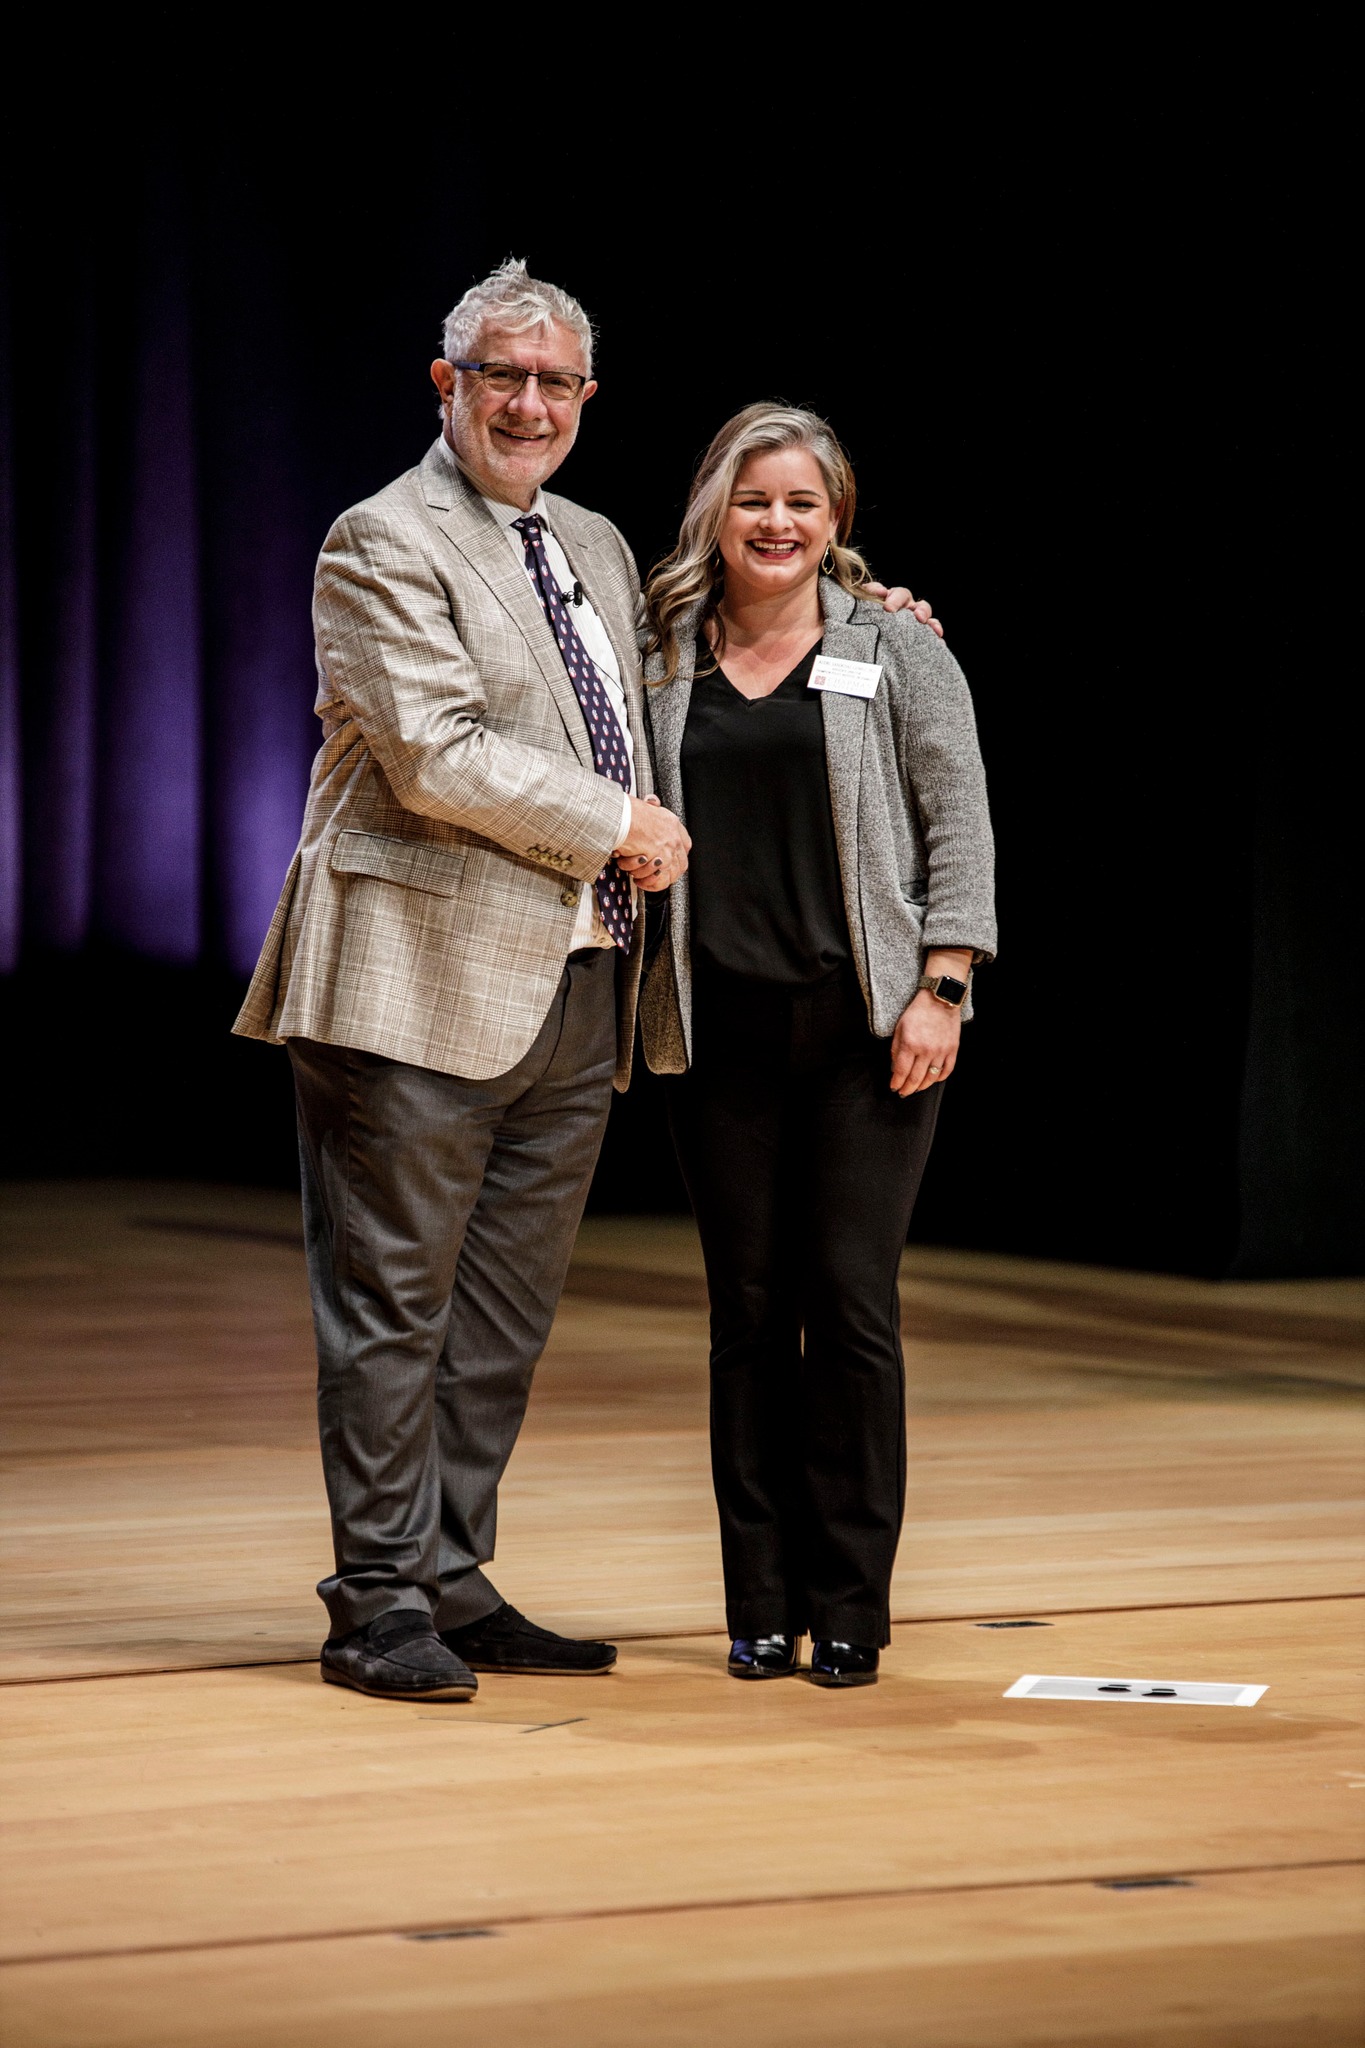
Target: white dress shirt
{"x": 589, "y": 929}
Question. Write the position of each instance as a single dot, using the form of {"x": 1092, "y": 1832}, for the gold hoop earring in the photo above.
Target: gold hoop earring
{"x": 829, "y": 565}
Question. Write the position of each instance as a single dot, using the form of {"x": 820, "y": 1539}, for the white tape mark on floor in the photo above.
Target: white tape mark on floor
{"x": 1176, "y": 1692}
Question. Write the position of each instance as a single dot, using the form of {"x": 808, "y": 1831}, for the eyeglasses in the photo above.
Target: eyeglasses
{"x": 509, "y": 378}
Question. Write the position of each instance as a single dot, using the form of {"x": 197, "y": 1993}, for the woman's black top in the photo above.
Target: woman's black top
{"x": 763, "y": 872}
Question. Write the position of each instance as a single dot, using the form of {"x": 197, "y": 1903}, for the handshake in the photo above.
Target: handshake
{"x": 654, "y": 852}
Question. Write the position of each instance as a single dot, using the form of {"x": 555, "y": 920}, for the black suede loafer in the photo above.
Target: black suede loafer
{"x": 763, "y": 1656}
{"x": 398, "y": 1657}
{"x": 842, "y": 1664}
{"x": 506, "y": 1641}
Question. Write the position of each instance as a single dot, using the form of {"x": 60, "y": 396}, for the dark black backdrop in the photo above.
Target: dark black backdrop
{"x": 1080, "y": 337}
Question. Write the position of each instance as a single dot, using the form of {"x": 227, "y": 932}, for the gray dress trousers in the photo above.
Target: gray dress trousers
{"x": 440, "y": 1215}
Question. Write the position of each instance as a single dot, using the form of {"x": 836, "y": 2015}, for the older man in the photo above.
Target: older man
{"x": 453, "y": 965}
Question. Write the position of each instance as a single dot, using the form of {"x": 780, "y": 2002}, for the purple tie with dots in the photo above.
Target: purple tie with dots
{"x": 609, "y": 756}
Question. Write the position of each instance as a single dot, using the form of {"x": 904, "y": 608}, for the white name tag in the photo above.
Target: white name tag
{"x": 849, "y": 678}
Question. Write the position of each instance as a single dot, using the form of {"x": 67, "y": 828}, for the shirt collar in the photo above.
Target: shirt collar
{"x": 505, "y": 514}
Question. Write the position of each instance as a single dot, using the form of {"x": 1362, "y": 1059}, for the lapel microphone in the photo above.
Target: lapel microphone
{"x": 577, "y": 597}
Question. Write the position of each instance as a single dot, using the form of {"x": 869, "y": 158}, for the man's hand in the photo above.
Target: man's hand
{"x": 654, "y": 852}
{"x": 899, "y": 599}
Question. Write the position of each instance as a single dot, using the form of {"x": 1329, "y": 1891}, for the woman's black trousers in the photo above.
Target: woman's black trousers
{"x": 803, "y": 1168}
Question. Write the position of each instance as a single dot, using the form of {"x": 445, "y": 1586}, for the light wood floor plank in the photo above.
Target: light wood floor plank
{"x": 200, "y": 1857}
{"x": 1077, "y": 1438}
{"x": 245, "y": 1804}
{"x": 1267, "y": 1960}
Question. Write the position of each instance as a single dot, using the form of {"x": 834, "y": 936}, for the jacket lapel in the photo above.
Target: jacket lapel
{"x": 668, "y": 707}
{"x": 845, "y": 719}
{"x": 469, "y": 526}
{"x": 845, "y": 724}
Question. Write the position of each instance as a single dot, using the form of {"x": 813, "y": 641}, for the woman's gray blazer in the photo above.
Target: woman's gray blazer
{"x": 908, "y": 794}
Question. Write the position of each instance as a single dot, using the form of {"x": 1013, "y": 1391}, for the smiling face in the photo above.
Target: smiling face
{"x": 778, "y": 524}
{"x": 510, "y": 445}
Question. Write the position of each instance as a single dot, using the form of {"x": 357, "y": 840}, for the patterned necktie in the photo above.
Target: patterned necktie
{"x": 609, "y": 756}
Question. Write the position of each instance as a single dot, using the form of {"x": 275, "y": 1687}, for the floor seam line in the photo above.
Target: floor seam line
{"x": 701, "y": 1634}
{"x": 680, "y": 1906}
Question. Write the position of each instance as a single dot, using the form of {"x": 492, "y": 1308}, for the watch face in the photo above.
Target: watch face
{"x": 951, "y": 991}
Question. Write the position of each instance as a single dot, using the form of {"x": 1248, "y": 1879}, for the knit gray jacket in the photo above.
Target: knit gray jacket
{"x": 908, "y": 794}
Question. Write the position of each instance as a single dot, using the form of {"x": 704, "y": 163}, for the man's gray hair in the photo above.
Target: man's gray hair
{"x": 510, "y": 298}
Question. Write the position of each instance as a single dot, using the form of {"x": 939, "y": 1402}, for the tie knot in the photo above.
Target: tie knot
{"x": 529, "y": 526}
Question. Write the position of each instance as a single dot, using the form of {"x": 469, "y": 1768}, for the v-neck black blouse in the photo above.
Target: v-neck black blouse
{"x": 767, "y": 900}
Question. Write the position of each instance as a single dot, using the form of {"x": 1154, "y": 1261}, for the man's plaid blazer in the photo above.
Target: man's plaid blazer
{"x": 453, "y": 813}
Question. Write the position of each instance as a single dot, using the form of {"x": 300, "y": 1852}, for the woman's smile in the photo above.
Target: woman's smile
{"x": 780, "y": 520}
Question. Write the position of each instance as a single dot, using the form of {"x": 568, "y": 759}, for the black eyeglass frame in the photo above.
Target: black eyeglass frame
{"x": 482, "y": 369}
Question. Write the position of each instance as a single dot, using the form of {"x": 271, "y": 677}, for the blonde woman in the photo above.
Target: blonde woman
{"x": 807, "y": 995}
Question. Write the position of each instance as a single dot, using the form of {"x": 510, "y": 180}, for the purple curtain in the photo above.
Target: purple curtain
{"x": 11, "y": 790}
{"x": 149, "y": 829}
{"x": 156, "y": 543}
{"x": 62, "y": 767}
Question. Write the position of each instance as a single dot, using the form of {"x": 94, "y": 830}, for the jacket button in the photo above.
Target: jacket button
{"x": 568, "y": 895}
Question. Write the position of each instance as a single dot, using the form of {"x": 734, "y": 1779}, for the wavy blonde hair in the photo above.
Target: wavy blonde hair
{"x": 695, "y": 568}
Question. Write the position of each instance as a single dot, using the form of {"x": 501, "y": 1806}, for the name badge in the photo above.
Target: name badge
{"x": 849, "y": 678}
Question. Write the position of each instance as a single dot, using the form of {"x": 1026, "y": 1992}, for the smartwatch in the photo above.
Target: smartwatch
{"x": 947, "y": 988}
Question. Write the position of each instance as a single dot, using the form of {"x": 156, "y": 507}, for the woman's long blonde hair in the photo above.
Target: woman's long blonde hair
{"x": 695, "y": 568}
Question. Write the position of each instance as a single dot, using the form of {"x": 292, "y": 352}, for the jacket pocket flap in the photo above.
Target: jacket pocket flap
{"x": 413, "y": 863}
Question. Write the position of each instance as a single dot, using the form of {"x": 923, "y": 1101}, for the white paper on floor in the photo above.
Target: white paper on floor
{"x": 1164, "y": 1691}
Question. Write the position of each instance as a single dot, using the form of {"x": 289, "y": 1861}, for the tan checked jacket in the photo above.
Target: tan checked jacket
{"x": 453, "y": 813}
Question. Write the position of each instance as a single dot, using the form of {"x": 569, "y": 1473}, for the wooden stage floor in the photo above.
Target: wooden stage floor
{"x": 207, "y": 1848}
